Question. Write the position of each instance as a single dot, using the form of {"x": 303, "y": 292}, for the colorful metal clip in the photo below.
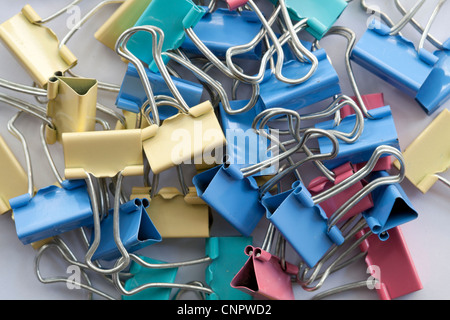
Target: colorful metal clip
{"x": 263, "y": 277}
{"x": 35, "y": 46}
{"x": 136, "y": 230}
{"x": 52, "y": 211}
{"x": 227, "y": 254}
{"x": 429, "y": 154}
{"x": 390, "y": 262}
{"x": 172, "y": 17}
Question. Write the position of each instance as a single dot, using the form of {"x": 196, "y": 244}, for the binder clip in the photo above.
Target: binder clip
{"x": 175, "y": 213}
{"x": 132, "y": 95}
{"x": 408, "y": 75}
{"x": 227, "y": 254}
{"x": 198, "y": 126}
{"x": 378, "y": 131}
{"x": 141, "y": 276}
{"x": 245, "y": 146}
{"x": 323, "y": 84}
{"x": 103, "y": 153}
{"x": 320, "y": 15}
{"x": 392, "y": 208}
{"x": 397, "y": 274}
{"x": 51, "y": 211}
{"x": 24, "y": 34}
{"x": 172, "y": 17}
{"x": 213, "y": 30}
{"x": 321, "y": 184}
{"x": 13, "y": 173}
{"x": 136, "y": 230}
{"x": 72, "y": 104}
{"x": 276, "y": 46}
{"x": 428, "y": 154}
{"x": 266, "y": 276}
{"x": 122, "y": 19}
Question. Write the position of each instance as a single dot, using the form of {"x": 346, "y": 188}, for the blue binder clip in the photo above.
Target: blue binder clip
{"x": 52, "y": 211}
{"x": 321, "y": 14}
{"x": 323, "y": 84}
{"x": 136, "y": 230}
{"x": 244, "y": 146}
{"x": 436, "y": 89}
{"x": 398, "y": 62}
{"x": 132, "y": 95}
{"x": 141, "y": 276}
{"x": 227, "y": 254}
{"x": 378, "y": 131}
{"x": 303, "y": 223}
{"x": 392, "y": 208}
{"x": 172, "y": 17}
{"x": 222, "y": 29}
{"x": 225, "y": 189}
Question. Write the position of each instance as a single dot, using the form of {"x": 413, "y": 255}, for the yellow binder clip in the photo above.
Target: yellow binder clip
{"x": 103, "y": 153}
{"x": 176, "y": 213}
{"x": 35, "y": 46}
{"x": 122, "y": 19}
{"x": 190, "y": 134}
{"x": 13, "y": 175}
{"x": 72, "y": 104}
{"x": 429, "y": 154}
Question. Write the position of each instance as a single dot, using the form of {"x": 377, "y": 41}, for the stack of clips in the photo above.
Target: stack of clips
{"x": 319, "y": 171}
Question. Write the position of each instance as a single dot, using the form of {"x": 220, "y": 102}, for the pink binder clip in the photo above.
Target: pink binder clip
{"x": 371, "y": 101}
{"x": 390, "y": 263}
{"x": 331, "y": 205}
{"x": 263, "y": 277}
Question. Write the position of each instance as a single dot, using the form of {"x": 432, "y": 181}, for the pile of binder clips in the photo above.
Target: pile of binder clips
{"x": 248, "y": 154}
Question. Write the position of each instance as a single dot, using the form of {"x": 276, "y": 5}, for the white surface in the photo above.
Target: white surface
{"x": 427, "y": 237}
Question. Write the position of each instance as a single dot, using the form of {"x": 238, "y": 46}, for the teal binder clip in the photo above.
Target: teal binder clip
{"x": 320, "y": 14}
{"x": 141, "y": 276}
{"x": 391, "y": 209}
{"x": 172, "y": 17}
{"x": 136, "y": 230}
{"x": 227, "y": 254}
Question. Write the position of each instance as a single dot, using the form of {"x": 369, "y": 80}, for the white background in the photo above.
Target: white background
{"x": 427, "y": 237}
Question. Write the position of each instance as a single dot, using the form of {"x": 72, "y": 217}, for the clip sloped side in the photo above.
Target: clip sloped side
{"x": 391, "y": 263}
{"x": 52, "y": 211}
{"x": 172, "y": 17}
{"x": 302, "y": 223}
{"x": 13, "y": 173}
{"x": 323, "y": 84}
{"x": 392, "y": 208}
{"x": 183, "y": 138}
{"x": 35, "y": 46}
{"x": 227, "y": 254}
{"x": 234, "y": 197}
{"x": 262, "y": 276}
{"x": 136, "y": 230}
{"x": 429, "y": 153}
{"x": 103, "y": 153}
